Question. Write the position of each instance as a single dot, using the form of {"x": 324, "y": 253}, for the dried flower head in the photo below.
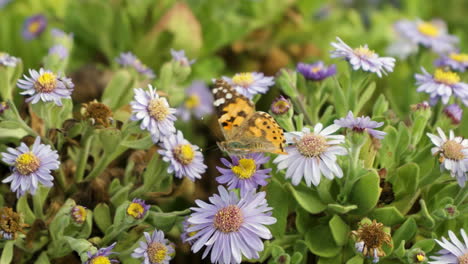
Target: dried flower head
{"x": 98, "y": 113}
{"x": 10, "y": 224}
{"x": 370, "y": 238}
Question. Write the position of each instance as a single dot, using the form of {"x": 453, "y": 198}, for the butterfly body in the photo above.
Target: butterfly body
{"x": 245, "y": 130}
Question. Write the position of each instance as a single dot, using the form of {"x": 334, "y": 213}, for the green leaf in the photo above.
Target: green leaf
{"x": 341, "y": 209}
{"x": 365, "y": 97}
{"x": 340, "y": 103}
{"x": 366, "y": 192}
{"x": 355, "y": 260}
{"x": 336, "y": 259}
{"x": 400, "y": 250}
{"x": 425, "y": 245}
{"x": 118, "y": 91}
{"x": 339, "y": 230}
{"x": 121, "y": 195}
{"x": 405, "y": 232}
{"x": 320, "y": 241}
{"x": 23, "y": 207}
{"x": 102, "y": 216}
{"x": 110, "y": 139}
{"x": 7, "y": 252}
{"x": 277, "y": 198}
{"x": 42, "y": 259}
{"x": 307, "y": 198}
{"x": 403, "y": 140}
{"x": 142, "y": 143}
{"x": 406, "y": 180}
{"x": 388, "y": 215}
{"x": 380, "y": 106}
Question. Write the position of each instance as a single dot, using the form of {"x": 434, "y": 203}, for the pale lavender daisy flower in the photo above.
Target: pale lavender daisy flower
{"x": 184, "y": 158}
{"x": 7, "y": 60}
{"x": 59, "y": 50}
{"x": 453, "y": 154}
{"x": 360, "y": 124}
{"x": 431, "y": 34}
{"x": 316, "y": 71}
{"x": 250, "y": 83}
{"x": 402, "y": 48}
{"x": 230, "y": 227}
{"x": 199, "y": 101}
{"x": 137, "y": 208}
{"x": 312, "y": 154}
{"x": 244, "y": 173}
{"x": 363, "y": 58}
{"x": 454, "y": 112}
{"x": 184, "y": 236}
{"x": 442, "y": 85}
{"x": 58, "y": 33}
{"x": 46, "y": 86}
{"x": 154, "y": 113}
{"x": 453, "y": 252}
{"x": 455, "y": 60}
{"x": 102, "y": 256}
{"x": 127, "y": 59}
{"x": 180, "y": 57}
{"x": 34, "y": 26}
{"x": 156, "y": 249}
{"x": 30, "y": 166}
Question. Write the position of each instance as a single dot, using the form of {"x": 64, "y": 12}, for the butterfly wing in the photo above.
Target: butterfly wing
{"x": 232, "y": 108}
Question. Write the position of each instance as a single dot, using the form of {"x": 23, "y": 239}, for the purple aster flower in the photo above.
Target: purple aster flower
{"x": 156, "y": 249}
{"x": 58, "y": 33}
{"x": 316, "y": 71}
{"x": 442, "y": 85}
{"x": 250, "y": 83}
{"x": 280, "y": 105}
{"x": 127, "y": 59}
{"x": 199, "y": 101}
{"x": 312, "y": 154}
{"x": 244, "y": 173}
{"x": 137, "y": 208}
{"x": 453, "y": 252}
{"x": 230, "y": 227}
{"x": 102, "y": 256}
{"x": 453, "y": 154}
{"x": 454, "y": 112}
{"x": 360, "y": 124}
{"x": 30, "y": 166}
{"x": 184, "y": 236}
{"x": 7, "y": 60}
{"x": 154, "y": 113}
{"x": 363, "y": 58}
{"x": 46, "y": 86}
{"x": 34, "y": 26}
{"x": 431, "y": 34}
{"x": 456, "y": 61}
{"x": 180, "y": 57}
{"x": 402, "y": 48}
{"x": 185, "y": 159}
{"x": 59, "y": 50}
{"x": 79, "y": 214}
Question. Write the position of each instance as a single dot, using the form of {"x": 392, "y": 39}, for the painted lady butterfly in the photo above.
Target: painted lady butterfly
{"x": 245, "y": 130}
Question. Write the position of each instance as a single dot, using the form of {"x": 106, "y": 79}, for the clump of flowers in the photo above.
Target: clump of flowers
{"x": 231, "y": 227}
{"x": 362, "y": 58}
{"x": 250, "y": 83}
{"x": 370, "y": 238}
{"x": 184, "y": 158}
{"x": 11, "y": 223}
{"x": 155, "y": 250}
{"x": 137, "y": 208}
{"x": 316, "y": 71}
{"x": 453, "y": 154}
{"x": 30, "y": 166}
{"x": 312, "y": 155}
{"x": 244, "y": 173}
{"x": 46, "y": 86}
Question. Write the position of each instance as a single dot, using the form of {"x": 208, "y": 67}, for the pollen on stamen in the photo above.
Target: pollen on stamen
{"x": 312, "y": 145}
{"x": 157, "y": 252}
{"x": 158, "y": 109}
{"x": 46, "y": 83}
{"x": 228, "y": 219}
{"x": 453, "y": 150}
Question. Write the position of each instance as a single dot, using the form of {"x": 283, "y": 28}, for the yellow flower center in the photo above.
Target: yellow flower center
{"x": 312, "y": 145}
{"x": 192, "y": 101}
{"x": 157, "y": 252}
{"x": 243, "y": 79}
{"x": 229, "y": 219}
{"x": 46, "y": 83}
{"x": 184, "y": 153}
{"x": 315, "y": 69}
{"x": 463, "y": 259}
{"x": 135, "y": 210}
{"x": 158, "y": 109}
{"x": 364, "y": 52}
{"x": 34, "y": 26}
{"x": 428, "y": 29}
{"x": 79, "y": 213}
{"x": 453, "y": 150}
{"x": 245, "y": 169}
{"x": 420, "y": 257}
{"x": 460, "y": 57}
{"x": 446, "y": 77}
{"x": 27, "y": 163}
{"x": 100, "y": 260}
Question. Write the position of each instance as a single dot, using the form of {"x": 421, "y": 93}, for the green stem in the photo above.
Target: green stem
{"x": 37, "y": 205}
{"x": 354, "y": 160}
{"x": 461, "y": 197}
{"x": 103, "y": 163}
{"x": 84, "y": 153}
{"x": 303, "y": 110}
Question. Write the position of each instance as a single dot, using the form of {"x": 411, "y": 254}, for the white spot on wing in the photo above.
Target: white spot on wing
{"x": 228, "y": 96}
{"x": 219, "y": 102}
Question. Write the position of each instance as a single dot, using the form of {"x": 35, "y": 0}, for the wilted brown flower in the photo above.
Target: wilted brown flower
{"x": 370, "y": 237}
{"x": 10, "y": 224}
{"x": 99, "y": 113}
